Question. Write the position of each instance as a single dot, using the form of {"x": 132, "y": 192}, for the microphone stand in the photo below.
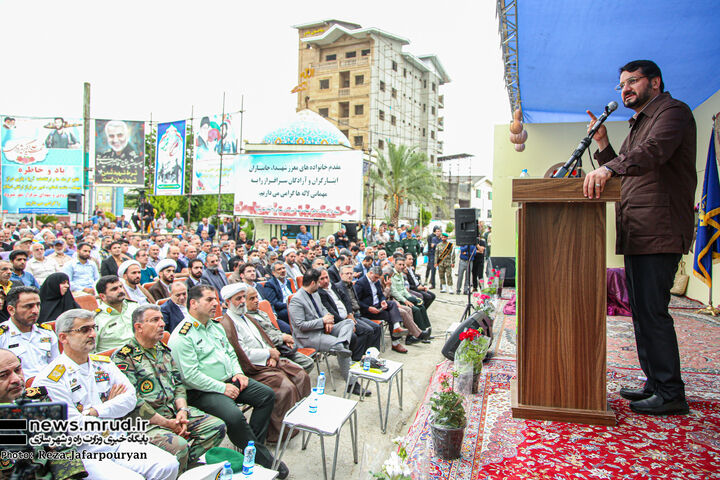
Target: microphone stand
{"x": 575, "y": 160}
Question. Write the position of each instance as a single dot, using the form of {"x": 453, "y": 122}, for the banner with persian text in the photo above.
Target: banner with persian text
{"x": 214, "y": 135}
{"x": 42, "y": 162}
{"x": 119, "y": 153}
{"x": 170, "y": 159}
{"x": 322, "y": 185}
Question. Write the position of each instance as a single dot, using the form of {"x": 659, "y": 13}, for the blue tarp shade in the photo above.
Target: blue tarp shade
{"x": 570, "y": 52}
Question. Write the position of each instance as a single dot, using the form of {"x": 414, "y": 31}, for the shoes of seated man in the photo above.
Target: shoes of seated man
{"x": 399, "y": 348}
{"x": 355, "y": 390}
{"x": 410, "y": 340}
{"x": 283, "y": 471}
{"x": 340, "y": 350}
{"x": 400, "y": 331}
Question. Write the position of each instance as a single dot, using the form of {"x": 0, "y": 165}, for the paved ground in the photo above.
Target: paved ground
{"x": 374, "y": 446}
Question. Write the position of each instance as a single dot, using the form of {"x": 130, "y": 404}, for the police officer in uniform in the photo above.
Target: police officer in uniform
{"x": 113, "y": 315}
{"x": 92, "y": 386}
{"x": 183, "y": 431}
{"x": 36, "y": 345}
{"x": 211, "y": 370}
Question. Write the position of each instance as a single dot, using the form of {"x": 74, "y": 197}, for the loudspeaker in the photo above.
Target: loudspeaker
{"x": 74, "y": 202}
{"x": 466, "y": 226}
{"x": 508, "y": 263}
{"x": 478, "y": 321}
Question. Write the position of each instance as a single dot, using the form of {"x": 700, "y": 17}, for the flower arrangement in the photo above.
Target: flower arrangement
{"x": 447, "y": 405}
{"x": 472, "y": 349}
{"x": 396, "y": 467}
{"x": 483, "y": 302}
{"x": 494, "y": 283}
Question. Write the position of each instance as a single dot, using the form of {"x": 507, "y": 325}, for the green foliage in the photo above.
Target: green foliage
{"x": 450, "y": 227}
{"x": 447, "y": 405}
{"x": 425, "y": 217}
{"x": 405, "y": 175}
{"x": 472, "y": 350}
{"x": 46, "y": 218}
{"x": 110, "y": 216}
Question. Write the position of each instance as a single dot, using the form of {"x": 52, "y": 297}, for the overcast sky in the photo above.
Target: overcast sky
{"x": 164, "y": 58}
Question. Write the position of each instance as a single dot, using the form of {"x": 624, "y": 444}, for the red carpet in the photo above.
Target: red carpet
{"x": 639, "y": 447}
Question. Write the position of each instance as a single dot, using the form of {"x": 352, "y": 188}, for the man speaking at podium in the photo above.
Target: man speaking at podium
{"x": 654, "y": 223}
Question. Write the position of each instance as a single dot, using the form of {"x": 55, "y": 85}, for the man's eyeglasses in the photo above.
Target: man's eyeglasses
{"x": 630, "y": 81}
{"x": 85, "y": 329}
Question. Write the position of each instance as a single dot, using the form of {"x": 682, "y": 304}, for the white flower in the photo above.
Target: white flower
{"x": 399, "y": 441}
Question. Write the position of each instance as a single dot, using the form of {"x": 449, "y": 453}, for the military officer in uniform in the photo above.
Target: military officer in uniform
{"x": 12, "y": 387}
{"x": 210, "y": 369}
{"x": 445, "y": 262}
{"x": 92, "y": 386}
{"x": 36, "y": 345}
{"x": 183, "y": 431}
{"x": 114, "y": 314}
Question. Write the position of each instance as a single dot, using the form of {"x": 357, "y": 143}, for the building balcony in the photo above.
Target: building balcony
{"x": 343, "y": 92}
{"x": 439, "y": 147}
{"x": 441, "y": 101}
{"x": 441, "y": 124}
{"x": 344, "y": 121}
{"x": 354, "y": 62}
{"x": 325, "y": 66}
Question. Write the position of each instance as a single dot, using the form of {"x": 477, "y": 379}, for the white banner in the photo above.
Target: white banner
{"x": 322, "y": 185}
{"x": 213, "y": 136}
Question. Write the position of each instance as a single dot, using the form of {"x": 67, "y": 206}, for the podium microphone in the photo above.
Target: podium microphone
{"x": 585, "y": 142}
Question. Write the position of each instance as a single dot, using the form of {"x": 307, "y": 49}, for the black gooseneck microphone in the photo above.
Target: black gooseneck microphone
{"x": 585, "y": 142}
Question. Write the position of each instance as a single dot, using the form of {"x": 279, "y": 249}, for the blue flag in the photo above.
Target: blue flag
{"x": 707, "y": 243}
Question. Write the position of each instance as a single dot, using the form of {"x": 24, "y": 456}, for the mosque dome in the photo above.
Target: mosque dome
{"x": 306, "y": 128}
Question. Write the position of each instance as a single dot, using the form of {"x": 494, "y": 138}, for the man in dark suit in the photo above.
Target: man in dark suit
{"x": 277, "y": 290}
{"x": 363, "y": 336}
{"x": 209, "y": 227}
{"x": 415, "y": 287}
{"x": 374, "y": 306}
{"x": 362, "y": 268}
{"x": 334, "y": 270}
{"x": 174, "y": 310}
{"x": 195, "y": 271}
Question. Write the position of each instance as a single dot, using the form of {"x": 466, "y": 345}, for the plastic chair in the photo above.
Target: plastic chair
{"x": 228, "y": 275}
{"x": 162, "y": 300}
{"x": 165, "y": 338}
{"x": 293, "y": 287}
{"x": 148, "y": 285}
{"x": 88, "y": 302}
{"x": 107, "y": 353}
{"x": 298, "y": 281}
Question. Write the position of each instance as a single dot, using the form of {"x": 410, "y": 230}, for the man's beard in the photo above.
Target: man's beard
{"x": 237, "y": 310}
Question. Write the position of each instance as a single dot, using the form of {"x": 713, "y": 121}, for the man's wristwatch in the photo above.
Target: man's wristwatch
{"x": 184, "y": 409}
{"x": 612, "y": 172}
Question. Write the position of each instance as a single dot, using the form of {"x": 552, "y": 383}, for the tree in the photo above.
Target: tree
{"x": 406, "y": 176}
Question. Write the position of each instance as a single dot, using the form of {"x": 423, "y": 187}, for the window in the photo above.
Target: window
{"x": 393, "y": 120}
{"x": 344, "y": 109}
{"x": 382, "y": 86}
{"x": 404, "y": 72}
{"x": 330, "y": 58}
{"x": 432, "y": 158}
{"x": 359, "y": 79}
{"x": 424, "y": 107}
{"x": 381, "y": 144}
{"x": 394, "y": 65}
{"x": 358, "y": 140}
{"x": 423, "y": 131}
{"x": 432, "y": 110}
{"x": 365, "y": 52}
{"x": 359, "y": 109}
{"x": 424, "y": 83}
{"x": 478, "y": 193}
{"x": 489, "y": 195}
{"x": 346, "y": 133}
{"x": 489, "y": 215}
{"x": 344, "y": 79}
{"x": 324, "y": 84}
{"x": 394, "y": 93}
{"x": 352, "y": 54}
{"x": 381, "y": 115}
{"x": 432, "y": 134}
{"x": 323, "y": 112}
{"x": 433, "y": 86}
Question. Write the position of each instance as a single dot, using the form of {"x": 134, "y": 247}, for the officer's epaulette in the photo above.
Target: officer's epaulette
{"x": 57, "y": 373}
{"x": 3, "y": 329}
{"x": 46, "y": 326}
{"x": 185, "y": 328}
{"x": 36, "y": 392}
{"x": 99, "y": 358}
{"x": 126, "y": 350}
{"x": 98, "y": 310}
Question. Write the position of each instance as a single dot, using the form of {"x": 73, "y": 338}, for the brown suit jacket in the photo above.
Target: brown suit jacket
{"x": 158, "y": 291}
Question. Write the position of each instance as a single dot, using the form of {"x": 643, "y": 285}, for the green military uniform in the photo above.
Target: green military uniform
{"x": 46, "y": 469}
{"x": 114, "y": 328}
{"x": 391, "y": 246}
{"x": 412, "y": 246}
{"x": 401, "y": 294}
{"x": 207, "y": 363}
{"x": 157, "y": 381}
{"x": 445, "y": 261}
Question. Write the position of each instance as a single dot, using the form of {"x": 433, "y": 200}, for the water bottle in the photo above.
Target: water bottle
{"x": 227, "y": 472}
{"x": 321, "y": 384}
{"x": 366, "y": 361}
{"x": 249, "y": 460}
{"x": 524, "y": 173}
{"x": 313, "y": 401}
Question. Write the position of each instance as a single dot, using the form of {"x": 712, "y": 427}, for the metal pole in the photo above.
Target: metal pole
{"x": 189, "y": 194}
{"x": 86, "y": 146}
{"x": 220, "y": 173}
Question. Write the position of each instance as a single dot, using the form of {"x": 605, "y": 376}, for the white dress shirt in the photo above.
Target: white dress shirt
{"x": 36, "y": 348}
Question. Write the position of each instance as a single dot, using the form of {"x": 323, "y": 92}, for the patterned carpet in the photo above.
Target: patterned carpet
{"x": 496, "y": 446}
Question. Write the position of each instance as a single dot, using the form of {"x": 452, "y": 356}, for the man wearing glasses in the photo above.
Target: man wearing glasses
{"x": 94, "y": 388}
{"x": 654, "y": 223}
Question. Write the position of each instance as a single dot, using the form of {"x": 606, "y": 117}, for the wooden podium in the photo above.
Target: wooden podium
{"x": 561, "y": 302}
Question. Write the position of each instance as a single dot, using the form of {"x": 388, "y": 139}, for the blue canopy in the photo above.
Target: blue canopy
{"x": 569, "y": 52}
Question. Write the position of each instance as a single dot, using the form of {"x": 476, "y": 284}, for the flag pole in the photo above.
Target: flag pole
{"x": 710, "y": 309}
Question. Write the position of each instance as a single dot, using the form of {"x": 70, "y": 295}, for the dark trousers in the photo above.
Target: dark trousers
{"x": 366, "y": 335}
{"x": 427, "y": 297}
{"x": 391, "y": 315}
{"x": 419, "y": 313}
{"x": 260, "y": 397}
{"x": 477, "y": 269}
{"x": 649, "y": 279}
{"x": 283, "y": 321}
{"x": 430, "y": 269}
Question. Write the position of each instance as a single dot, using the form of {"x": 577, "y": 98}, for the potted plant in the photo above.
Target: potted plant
{"x": 395, "y": 467}
{"x": 471, "y": 353}
{"x": 448, "y": 419}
